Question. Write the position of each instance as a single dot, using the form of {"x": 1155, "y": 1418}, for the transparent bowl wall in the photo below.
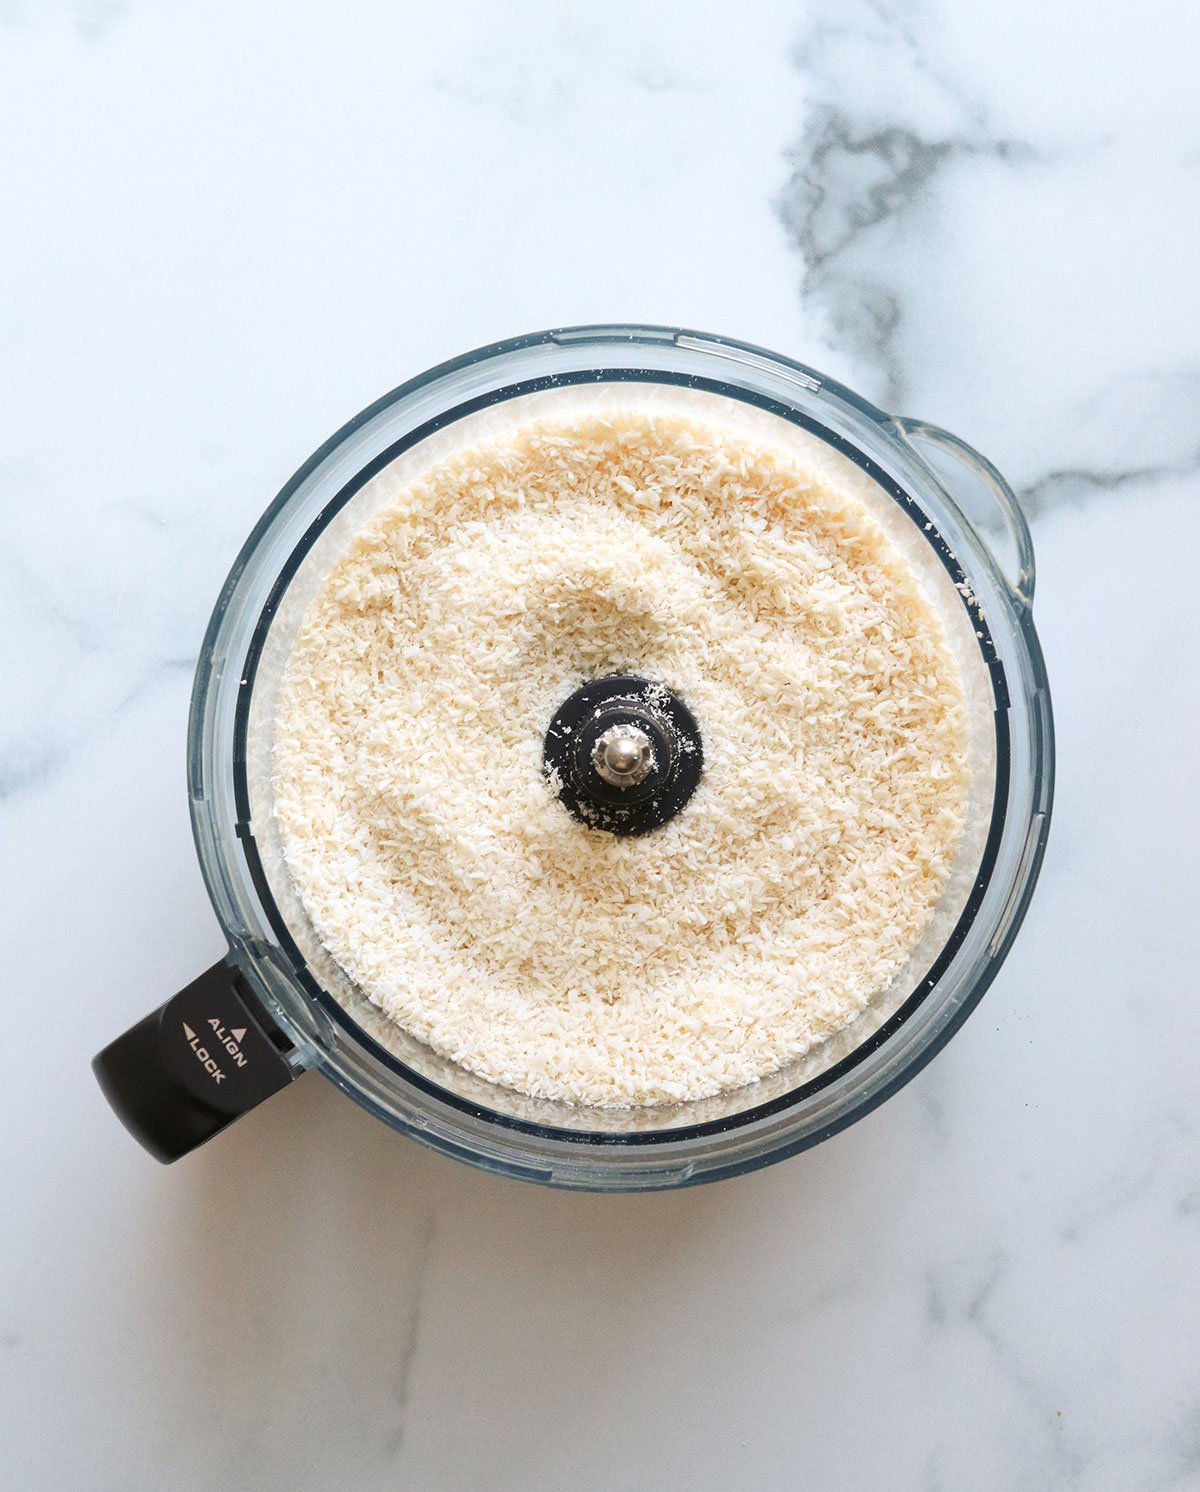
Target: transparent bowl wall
{"x": 919, "y": 482}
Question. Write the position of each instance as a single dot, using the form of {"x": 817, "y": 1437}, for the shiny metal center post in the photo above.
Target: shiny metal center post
{"x": 623, "y": 756}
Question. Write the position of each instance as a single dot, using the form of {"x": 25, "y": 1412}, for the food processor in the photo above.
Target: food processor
{"x": 277, "y": 1004}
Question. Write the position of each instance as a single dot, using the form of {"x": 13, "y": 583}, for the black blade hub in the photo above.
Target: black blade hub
{"x": 624, "y": 754}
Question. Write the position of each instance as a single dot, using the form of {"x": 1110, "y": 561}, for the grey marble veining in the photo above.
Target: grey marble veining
{"x": 900, "y": 155}
{"x": 224, "y": 233}
{"x": 869, "y": 159}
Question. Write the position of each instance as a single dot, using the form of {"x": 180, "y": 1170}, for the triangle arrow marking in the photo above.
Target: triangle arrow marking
{"x": 191, "y": 1035}
{"x": 238, "y": 1034}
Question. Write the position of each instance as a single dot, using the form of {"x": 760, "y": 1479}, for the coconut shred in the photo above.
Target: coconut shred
{"x": 427, "y": 842}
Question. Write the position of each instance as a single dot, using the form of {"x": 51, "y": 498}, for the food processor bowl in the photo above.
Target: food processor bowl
{"x": 278, "y": 1004}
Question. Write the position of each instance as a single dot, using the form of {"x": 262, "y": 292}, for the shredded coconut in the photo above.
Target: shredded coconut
{"x": 432, "y": 854}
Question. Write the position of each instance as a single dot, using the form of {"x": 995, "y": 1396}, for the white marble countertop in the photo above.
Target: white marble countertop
{"x": 226, "y": 228}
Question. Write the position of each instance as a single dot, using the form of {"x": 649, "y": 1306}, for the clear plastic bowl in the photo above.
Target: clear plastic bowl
{"x": 956, "y": 521}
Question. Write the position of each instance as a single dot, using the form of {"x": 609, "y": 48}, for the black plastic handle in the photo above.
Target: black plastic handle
{"x": 193, "y": 1066}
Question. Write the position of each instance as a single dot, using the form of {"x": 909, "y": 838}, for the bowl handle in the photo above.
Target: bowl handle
{"x": 195, "y": 1065}
{"x": 920, "y": 433}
